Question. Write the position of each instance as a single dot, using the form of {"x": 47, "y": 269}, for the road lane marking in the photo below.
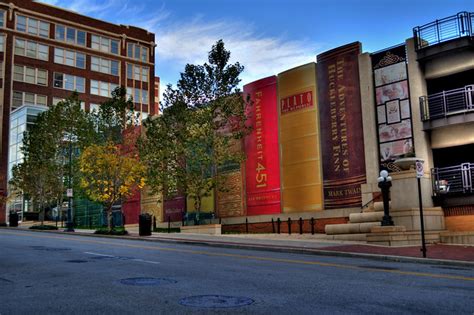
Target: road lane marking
{"x": 118, "y": 257}
{"x": 249, "y": 257}
{"x": 97, "y": 254}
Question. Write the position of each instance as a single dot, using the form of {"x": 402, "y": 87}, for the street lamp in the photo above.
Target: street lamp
{"x": 385, "y": 182}
{"x": 69, "y": 224}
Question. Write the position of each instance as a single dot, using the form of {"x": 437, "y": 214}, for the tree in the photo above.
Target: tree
{"x": 202, "y": 120}
{"x": 115, "y": 179}
{"x": 57, "y": 132}
{"x": 115, "y": 117}
{"x": 110, "y": 175}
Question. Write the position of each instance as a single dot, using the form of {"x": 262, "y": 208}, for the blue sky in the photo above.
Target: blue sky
{"x": 266, "y": 36}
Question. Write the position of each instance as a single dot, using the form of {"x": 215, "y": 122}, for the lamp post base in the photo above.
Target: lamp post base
{"x": 69, "y": 227}
{"x": 387, "y": 221}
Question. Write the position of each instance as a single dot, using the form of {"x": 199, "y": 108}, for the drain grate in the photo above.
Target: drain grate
{"x": 76, "y": 261}
{"x": 216, "y": 301}
{"x": 147, "y": 281}
{"x": 50, "y": 249}
{"x": 378, "y": 267}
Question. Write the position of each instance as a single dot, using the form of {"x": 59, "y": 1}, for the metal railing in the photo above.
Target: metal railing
{"x": 446, "y": 103}
{"x": 451, "y": 27}
{"x": 453, "y": 180}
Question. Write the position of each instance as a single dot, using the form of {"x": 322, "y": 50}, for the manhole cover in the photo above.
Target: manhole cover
{"x": 378, "y": 267}
{"x": 216, "y": 301}
{"x": 76, "y": 261}
{"x": 147, "y": 281}
{"x": 50, "y": 249}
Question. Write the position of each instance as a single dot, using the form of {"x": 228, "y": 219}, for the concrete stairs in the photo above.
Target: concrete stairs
{"x": 461, "y": 238}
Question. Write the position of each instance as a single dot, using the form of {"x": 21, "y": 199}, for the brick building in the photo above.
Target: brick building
{"x": 47, "y": 52}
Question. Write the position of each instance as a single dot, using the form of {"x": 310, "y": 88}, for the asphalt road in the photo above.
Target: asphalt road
{"x": 43, "y": 273}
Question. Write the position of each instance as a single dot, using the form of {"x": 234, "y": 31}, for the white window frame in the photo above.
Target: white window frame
{"x": 64, "y": 81}
{"x": 2, "y": 18}
{"x": 38, "y": 29}
{"x": 138, "y": 54}
{"x": 104, "y": 65}
{"x": 104, "y": 44}
{"x": 102, "y": 86}
{"x": 37, "y": 49}
{"x": 65, "y": 38}
{"x": 142, "y": 72}
{"x": 36, "y": 76}
{"x": 132, "y": 92}
{"x": 58, "y": 57}
{"x": 35, "y": 98}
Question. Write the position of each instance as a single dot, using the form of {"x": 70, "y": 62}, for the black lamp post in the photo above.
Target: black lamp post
{"x": 385, "y": 182}
{"x": 69, "y": 224}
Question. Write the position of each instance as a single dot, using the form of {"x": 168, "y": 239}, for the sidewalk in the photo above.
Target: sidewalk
{"x": 309, "y": 244}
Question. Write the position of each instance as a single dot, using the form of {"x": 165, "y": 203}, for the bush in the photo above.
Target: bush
{"x": 115, "y": 231}
{"x": 165, "y": 230}
{"x": 43, "y": 227}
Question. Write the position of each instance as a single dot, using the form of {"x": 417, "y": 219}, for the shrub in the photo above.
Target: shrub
{"x": 43, "y": 227}
{"x": 115, "y": 231}
{"x": 165, "y": 230}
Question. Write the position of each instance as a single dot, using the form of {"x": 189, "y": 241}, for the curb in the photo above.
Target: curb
{"x": 271, "y": 248}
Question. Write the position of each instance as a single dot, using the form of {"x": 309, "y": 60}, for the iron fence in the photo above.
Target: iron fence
{"x": 446, "y": 103}
{"x": 453, "y": 179}
{"x": 451, "y": 27}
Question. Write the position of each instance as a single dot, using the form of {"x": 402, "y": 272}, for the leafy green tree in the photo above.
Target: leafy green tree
{"x": 202, "y": 121}
{"x": 116, "y": 117}
{"x": 59, "y": 133}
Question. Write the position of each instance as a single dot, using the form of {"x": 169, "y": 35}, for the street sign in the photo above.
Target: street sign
{"x": 419, "y": 168}
{"x": 69, "y": 192}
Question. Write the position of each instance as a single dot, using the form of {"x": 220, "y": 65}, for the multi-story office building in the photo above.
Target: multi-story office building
{"x": 47, "y": 52}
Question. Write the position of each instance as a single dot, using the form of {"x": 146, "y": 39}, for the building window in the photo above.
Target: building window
{"x": 57, "y": 100}
{"x": 1, "y": 71}
{"x": 94, "y": 108}
{"x": 24, "y": 98}
{"x": 32, "y": 26}
{"x": 30, "y": 75}
{"x": 70, "y": 35}
{"x": 31, "y": 49}
{"x": 2, "y": 18}
{"x": 102, "y": 88}
{"x": 137, "y": 95}
{"x": 137, "y": 52}
{"x": 2, "y": 42}
{"x": 69, "y": 58}
{"x": 136, "y": 72}
{"x": 105, "y": 44}
{"x": 105, "y": 65}
{"x": 69, "y": 82}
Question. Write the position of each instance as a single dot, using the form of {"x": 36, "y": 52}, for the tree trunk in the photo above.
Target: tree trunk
{"x": 197, "y": 207}
{"x": 109, "y": 218}
{"x": 42, "y": 212}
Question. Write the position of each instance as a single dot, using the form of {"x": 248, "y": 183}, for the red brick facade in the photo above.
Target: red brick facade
{"x": 56, "y": 16}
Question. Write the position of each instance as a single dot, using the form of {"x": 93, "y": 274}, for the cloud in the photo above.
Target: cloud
{"x": 182, "y": 43}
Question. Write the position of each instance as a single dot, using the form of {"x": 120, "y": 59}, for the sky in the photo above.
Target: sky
{"x": 266, "y": 36}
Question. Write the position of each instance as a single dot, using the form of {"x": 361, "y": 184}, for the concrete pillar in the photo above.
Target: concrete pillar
{"x": 369, "y": 127}
{"x": 418, "y": 88}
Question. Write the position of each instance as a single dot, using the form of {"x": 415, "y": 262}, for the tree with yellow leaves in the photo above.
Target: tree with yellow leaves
{"x": 110, "y": 175}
